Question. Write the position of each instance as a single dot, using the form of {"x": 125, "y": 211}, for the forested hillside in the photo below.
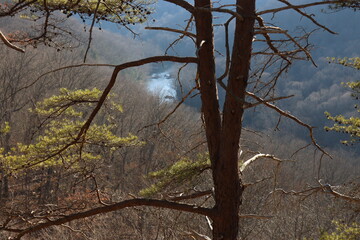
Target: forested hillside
{"x": 88, "y": 150}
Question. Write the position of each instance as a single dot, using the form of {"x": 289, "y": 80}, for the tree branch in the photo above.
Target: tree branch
{"x": 9, "y": 44}
{"x": 327, "y": 188}
{"x": 114, "y": 207}
{"x": 189, "y": 34}
{"x": 275, "y": 10}
{"x": 256, "y": 157}
{"x": 181, "y": 3}
{"x": 288, "y": 115}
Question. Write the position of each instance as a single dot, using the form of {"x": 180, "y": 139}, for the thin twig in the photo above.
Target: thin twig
{"x": 185, "y": 33}
{"x": 288, "y": 115}
{"x": 307, "y": 16}
{"x": 171, "y": 112}
{"x": 235, "y": 14}
{"x": 192, "y": 196}
{"x": 275, "y": 10}
{"x": 91, "y": 30}
{"x": 255, "y": 216}
{"x": 256, "y": 157}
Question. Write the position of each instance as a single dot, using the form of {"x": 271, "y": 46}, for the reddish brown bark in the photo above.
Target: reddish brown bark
{"x": 224, "y": 136}
{"x": 206, "y": 71}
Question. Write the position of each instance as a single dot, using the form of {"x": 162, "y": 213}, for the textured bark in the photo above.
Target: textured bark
{"x": 223, "y": 136}
{"x": 206, "y": 73}
{"x": 228, "y": 184}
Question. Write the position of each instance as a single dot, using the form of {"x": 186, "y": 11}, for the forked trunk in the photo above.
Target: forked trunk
{"x": 224, "y": 136}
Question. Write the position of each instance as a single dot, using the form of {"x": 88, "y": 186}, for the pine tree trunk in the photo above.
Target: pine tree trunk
{"x": 224, "y": 136}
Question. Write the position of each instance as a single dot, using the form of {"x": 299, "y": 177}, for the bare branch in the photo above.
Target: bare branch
{"x": 91, "y": 29}
{"x": 198, "y": 236}
{"x": 114, "y": 207}
{"x": 9, "y": 44}
{"x": 20, "y": 5}
{"x": 192, "y": 196}
{"x": 235, "y": 14}
{"x": 307, "y": 16}
{"x": 275, "y": 10}
{"x": 227, "y": 64}
{"x": 177, "y": 106}
{"x": 327, "y": 188}
{"x": 81, "y": 135}
{"x": 189, "y": 34}
{"x": 288, "y": 115}
{"x": 256, "y": 157}
{"x": 250, "y": 105}
{"x": 255, "y": 216}
{"x": 176, "y": 41}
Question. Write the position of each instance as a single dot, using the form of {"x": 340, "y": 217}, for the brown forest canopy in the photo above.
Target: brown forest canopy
{"x": 86, "y": 151}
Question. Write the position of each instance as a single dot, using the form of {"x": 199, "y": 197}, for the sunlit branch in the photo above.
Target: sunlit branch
{"x": 276, "y": 77}
{"x": 182, "y": 36}
{"x": 197, "y": 236}
{"x": 20, "y": 5}
{"x": 250, "y": 105}
{"x": 290, "y": 54}
{"x": 75, "y": 230}
{"x": 256, "y": 157}
{"x": 235, "y": 14}
{"x": 60, "y": 69}
{"x": 255, "y": 216}
{"x": 171, "y": 112}
{"x": 257, "y": 181}
{"x": 81, "y": 135}
{"x": 192, "y": 196}
{"x": 265, "y": 30}
{"x": 327, "y": 188}
{"x": 308, "y": 16}
{"x": 268, "y": 40}
{"x": 9, "y": 44}
{"x": 227, "y": 64}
